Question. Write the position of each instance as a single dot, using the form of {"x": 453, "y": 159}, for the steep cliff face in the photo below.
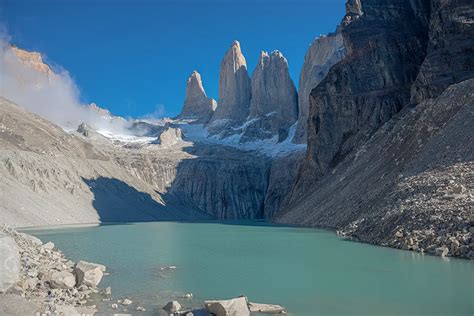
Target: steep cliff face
{"x": 385, "y": 49}
{"x": 196, "y": 104}
{"x": 409, "y": 186}
{"x": 274, "y": 98}
{"x": 371, "y": 168}
{"x": 234, "y": 87}
{"x": 32, "y": 60}
{"x": 324, "y": 52}
{"x": 450, "y": 53}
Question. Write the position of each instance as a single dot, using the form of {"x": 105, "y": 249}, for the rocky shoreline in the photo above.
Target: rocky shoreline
{"x": 37, "y": 279}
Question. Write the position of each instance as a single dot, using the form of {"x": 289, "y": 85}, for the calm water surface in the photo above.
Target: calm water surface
{"x": 310, "y": 272}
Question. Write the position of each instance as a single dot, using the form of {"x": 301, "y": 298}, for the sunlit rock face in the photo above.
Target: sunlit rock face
{"x": 324, "y": 52}
{"x": 274, "y": 105}
{"x": 196, "y": 104}
{"x": 234, "y": 87}
{"x": 32, "y": 60}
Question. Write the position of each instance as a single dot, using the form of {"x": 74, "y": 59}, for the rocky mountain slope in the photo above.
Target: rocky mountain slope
{"x": 49, "y": 176}
{"x": 389, "y": 160}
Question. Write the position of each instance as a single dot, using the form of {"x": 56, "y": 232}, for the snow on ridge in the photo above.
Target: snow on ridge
{"x": 269, "y": 147}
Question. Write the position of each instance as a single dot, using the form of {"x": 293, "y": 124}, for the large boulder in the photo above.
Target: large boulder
{"x": 9, "y": 262}
{"x": 89, "y": 274}
{"x": 233, "y": 307}
{"x": 62, "y": 280}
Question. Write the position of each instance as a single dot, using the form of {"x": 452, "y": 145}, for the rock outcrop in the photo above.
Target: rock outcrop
{"x": 385, "y": 49}
{"x": 32, "y": 60}
{"x": 9, "y": 262}
{"x": 273, "y": 105}
{"x": 196, "y": 103}
{"x": 324, "y": 52}
{"x": 234, "y": 87}
{"x": 450, "y": 53}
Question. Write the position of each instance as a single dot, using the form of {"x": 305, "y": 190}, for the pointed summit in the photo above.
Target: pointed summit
{"x": 234, "y": 86}
{"x": 196, "y": 103}
{"x": 274, "y": 98}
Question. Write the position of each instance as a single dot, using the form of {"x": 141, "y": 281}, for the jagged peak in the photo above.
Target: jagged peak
{"x": 236, "y": 44}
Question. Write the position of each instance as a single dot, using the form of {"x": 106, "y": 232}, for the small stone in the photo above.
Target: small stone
{"x": 399, "y": 234}
{"x": 172, "y": 307}
{"x": 114, "y": 306}
{"x": 107, "y": 291}
{"x": 442, "y": 251}
{"x": 126, "y": 302}
{"x": 188, "y": 295}
{"x": 141, "y": 309}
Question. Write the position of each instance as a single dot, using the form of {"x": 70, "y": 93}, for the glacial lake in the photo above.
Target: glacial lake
{"x": 309, "y": 271}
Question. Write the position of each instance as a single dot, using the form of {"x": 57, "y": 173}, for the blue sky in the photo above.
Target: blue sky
{"x": 133, "y": 57}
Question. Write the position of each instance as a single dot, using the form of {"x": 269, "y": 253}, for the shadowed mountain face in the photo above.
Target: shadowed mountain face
{"x": 375, "y": 117}
{"x": 50, "y": 177}
{"x": 116, "y": 201}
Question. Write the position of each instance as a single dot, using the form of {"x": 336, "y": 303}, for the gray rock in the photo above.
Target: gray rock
{"x": 232, "y": 307}
{"x": 234, "y": 87}
{"x": 274, "y": 96}
{"x": 265, "y": 308}
{"x": 442, "y": 251}
{"x": 62, "y": 280}
{"x": 89, "y": 274}
{"x": 323, "y": 53}
{"x": 196, "y": 104}
{"x": 172, "y": 307}
{"x": 9, "y": 262}
{"x": 449, "y": 54}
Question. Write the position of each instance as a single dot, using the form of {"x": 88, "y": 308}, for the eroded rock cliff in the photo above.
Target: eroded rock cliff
{"x": 273, "y": 106}
{"x": 234, "y": 87}
{"x": 324, "y": 52}
{"x": 196, "y": 104}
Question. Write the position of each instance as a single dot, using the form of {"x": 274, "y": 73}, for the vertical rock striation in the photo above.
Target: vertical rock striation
{"x": 234, "y": 86}
{"x": 324, "y": 52}
{"x": 450, "y": 54}
{"x": 196, "y": 103}
{"x": 273, "y": 106}
{"x": 385, "y": 45}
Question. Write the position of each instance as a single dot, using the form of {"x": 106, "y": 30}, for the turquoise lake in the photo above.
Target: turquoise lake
{"x": 309, "y": 271}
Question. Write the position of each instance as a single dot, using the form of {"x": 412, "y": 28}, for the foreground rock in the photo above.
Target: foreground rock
{"x": 89, "y": 274}
{"x": 172, "y": 307}
{"x": 233, "y": 307}
{"x": 266, "y": 308}
{"x": 45, "y": 278}
{"x": 9, "y": 262}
